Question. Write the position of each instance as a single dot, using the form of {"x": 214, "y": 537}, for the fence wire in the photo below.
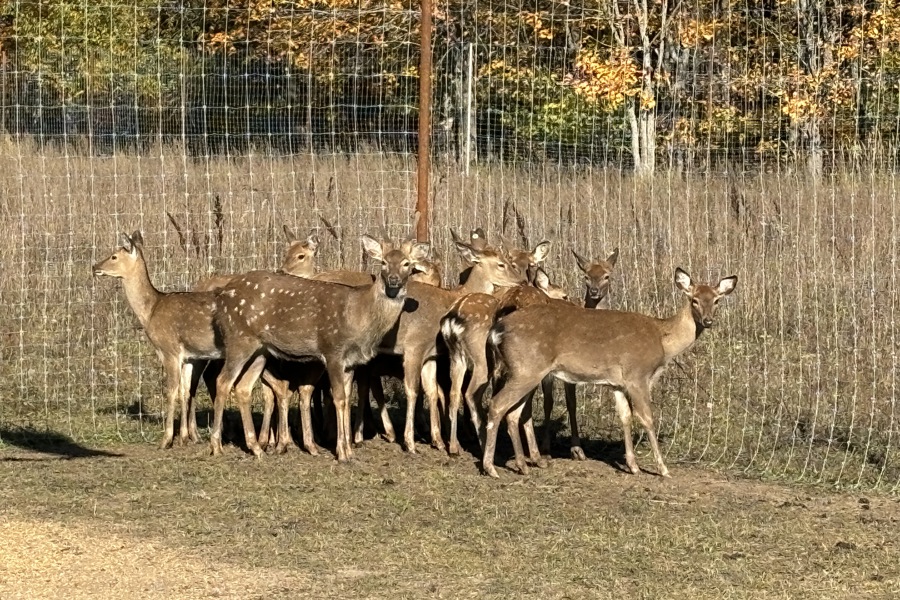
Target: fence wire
{"x": 752, "y": 138}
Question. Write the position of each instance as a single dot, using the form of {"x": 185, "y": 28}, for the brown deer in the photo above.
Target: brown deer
{"x": 596, "y": 291}
{"x": 418, "y": 331}
{"x": 465, "y": 330}
{"x": 264, "y": 314}
{"x": 626, "y": 351}
{"x": 179, "y": 325}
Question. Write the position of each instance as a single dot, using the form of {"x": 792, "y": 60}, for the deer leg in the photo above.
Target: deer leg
{"x": 547, "y": 392}
{"x": 576, "y": 452}
{"x": 341, "y": 381}
{"x": 309, "y": 443}
{"x": 527, "y": 421}
{"x": 172, "y": 366}
{"x": 243, "y": 391}
{"x": 623, "y": 409}
{"x": 640, "y": 403}
{"x": 432, "y": 393}
{"x": 196, "y": 374}
{"x": 378, "y": 393}
{"x": 478, "y": 383}
{"x": 265, "y": 429}
{"x": 184, "y": 391}
{"x": 511, "y": 394}
{"x": 210, "y": 373}
{"x": 412, "y": 366}
{"x": 363, "y": 378}
{"x": 225, "y": 381}
{"x": 513, "y": 418}
{"x": 457, "y": 375}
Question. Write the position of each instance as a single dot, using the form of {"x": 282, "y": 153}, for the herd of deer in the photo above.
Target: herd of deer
{"x": 506, "y": 324}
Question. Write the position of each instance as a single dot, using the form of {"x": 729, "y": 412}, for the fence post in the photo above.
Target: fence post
{"x": 470, "y": 73}
{"x": 424, "y": 122}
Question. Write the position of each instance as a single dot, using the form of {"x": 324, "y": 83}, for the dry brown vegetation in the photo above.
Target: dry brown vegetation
{"x": 798, "y": 379}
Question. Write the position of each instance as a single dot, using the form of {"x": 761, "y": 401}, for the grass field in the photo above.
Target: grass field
{"x": 127, "y": 521}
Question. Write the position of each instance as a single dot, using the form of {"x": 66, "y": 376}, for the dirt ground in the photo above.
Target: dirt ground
{"x": 132, "y": 521}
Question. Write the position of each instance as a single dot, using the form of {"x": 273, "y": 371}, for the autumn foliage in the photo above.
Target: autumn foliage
{"x": 814, "y": 80}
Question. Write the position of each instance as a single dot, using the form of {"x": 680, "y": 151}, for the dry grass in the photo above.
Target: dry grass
{"x": 798, "y": 380}
{"x": 152, "y": 524}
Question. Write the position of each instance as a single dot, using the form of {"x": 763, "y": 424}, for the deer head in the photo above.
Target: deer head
{"x": 704, "y": 298}
{"x": 123, "y": 261}
{"x": 396, "y": 264}
{"x": 596, "y": 277}
{"x": 300, "y": 256}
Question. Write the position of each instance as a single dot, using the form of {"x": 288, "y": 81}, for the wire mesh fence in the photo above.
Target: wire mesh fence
{"x": 755, "y": 138}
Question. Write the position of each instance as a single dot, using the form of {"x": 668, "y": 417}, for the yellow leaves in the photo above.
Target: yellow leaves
{"x": 604, "y": 79}
{"x": 537, "y": 23}
{"x": 693, "y": 32}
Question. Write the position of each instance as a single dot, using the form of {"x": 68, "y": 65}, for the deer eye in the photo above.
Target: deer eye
{"x": 301, "y": 256}
{"x": 405, "y": 263}
{"x": 114, "y": 257}
{"x": 501, "y": 266}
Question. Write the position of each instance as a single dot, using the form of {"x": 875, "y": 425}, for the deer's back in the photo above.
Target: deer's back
{"x": 352, "y": 278}
{"x": 184, "y": 320}
{"x": 581, "y": 345}
{"x": 213, "y": 282}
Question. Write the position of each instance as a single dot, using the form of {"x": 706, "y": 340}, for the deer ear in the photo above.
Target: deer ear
{"x": 541, "y": 252}
{"x": 288, "y": 233}
{"x": 137, "y": 240}
{"x": 373, "y": 247}
{"x": 613, "y": 257}
{"x": 541, "y": 280}
{"x": 312, "y": 242}
{"x": 468, "y": 253}
{"x": 125, "y": 242}
{"x": 583, "y": 263}
{"x": 419, "y": 251}
{"x": 726, "y": 285}
{"x": 683, "y": 280}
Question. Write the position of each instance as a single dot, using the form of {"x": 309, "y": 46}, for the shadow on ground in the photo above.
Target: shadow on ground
{"x": 47, "y": 442}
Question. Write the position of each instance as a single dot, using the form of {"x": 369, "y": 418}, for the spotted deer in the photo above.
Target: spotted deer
{"x": 263, "y": 314}
{"x": 465, "y": 330}
{"x": 418, "y": 331}
{"x": 179, "y": 325}
{"x": 624, "y": 350}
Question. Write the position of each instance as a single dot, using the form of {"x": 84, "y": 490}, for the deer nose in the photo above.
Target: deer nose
{"x": 707, "y": 322}
{"x": 594, "y": 292}
{"x": 394, "y": 280}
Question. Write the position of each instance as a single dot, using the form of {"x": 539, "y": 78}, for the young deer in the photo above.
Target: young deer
{"x": 419, "y": 329}
{"x": 179, "y": 325}
{"x": 626, "y": 351}
{"x": 264, "y": 314}
{"x": 596, "y": 290}
{"x": 465, "y": 330}
{"x": 299, "y": 260}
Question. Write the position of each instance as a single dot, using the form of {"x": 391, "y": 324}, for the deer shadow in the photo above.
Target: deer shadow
{"x": 48, "y": 442}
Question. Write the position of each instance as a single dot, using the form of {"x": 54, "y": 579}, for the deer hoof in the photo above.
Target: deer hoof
{"x": 453, "y": 450}
{"x": 541, "y": 463}
{"x": 577, "y": 453}
{"x": 490, "y": 471}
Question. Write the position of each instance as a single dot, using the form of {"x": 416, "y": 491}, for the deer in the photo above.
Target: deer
{"x": 626, "y": 351}
{"x": 417, "y": 334}
{"x": 596, "y": 291}
{"x": 465, "y": 330}
{"x": 262, "y": 314}
{"x": 179, "y": 325}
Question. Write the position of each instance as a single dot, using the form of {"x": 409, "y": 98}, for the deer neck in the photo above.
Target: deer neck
{"x": 477, "y": 283}
{"x": 141, "y": 295}
{"x": 679, "y": 332}
{"x": 379, "y": 313}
